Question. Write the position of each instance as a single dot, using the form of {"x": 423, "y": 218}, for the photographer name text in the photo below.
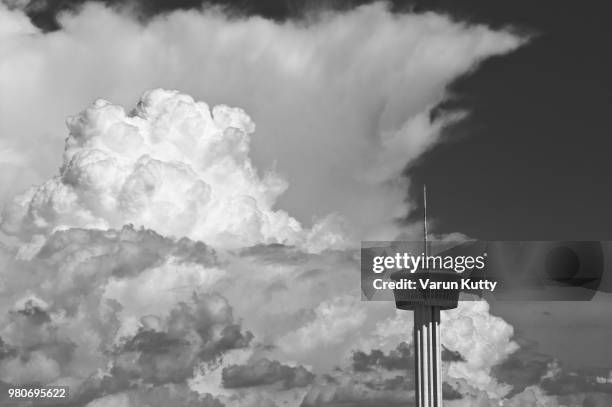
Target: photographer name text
{"x": 430, "y": 284}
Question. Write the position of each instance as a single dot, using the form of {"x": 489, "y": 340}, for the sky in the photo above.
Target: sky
{"x": 533, "y": 151}
{"x": 554, "y": 188}
{"x": 184, "y": 189}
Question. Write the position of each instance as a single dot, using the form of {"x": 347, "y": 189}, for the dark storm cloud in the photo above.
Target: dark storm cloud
{"x": 265, "y": 372}
{"x": 451, "y": 355}
{"x": 44, "y": 12}
{"x": 232, "y": 337}
{"x": 152, "y": 342}
{"x": 401, "y": 358}
{"x": 449, "y": 393}
{"x": 6, "y": 350}
{"x": 594, "y": 400}
{"x": 195, "y": 333}
{"x": 34, "y": 313}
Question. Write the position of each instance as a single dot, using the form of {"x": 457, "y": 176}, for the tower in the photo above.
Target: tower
{"x": 426, "y": 305}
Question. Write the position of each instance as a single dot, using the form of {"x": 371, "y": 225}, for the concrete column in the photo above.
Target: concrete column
{"x": 427, "y": 356}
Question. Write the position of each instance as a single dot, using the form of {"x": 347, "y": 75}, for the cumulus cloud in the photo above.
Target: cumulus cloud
{"x": 373, "y": 378}
{"x": 384, "y": 378}
{"x": 131, "y": 315}
{"x": 483, "y": 340}
{"x": 473, "y": 342}
{"x": 64, "y": 319}
{"x": 342, "y": 101}
{"x": 172, "y": 164}
{"x": 333, "y": 321}
{"x": 338, "y": 124}
{"x": 266, "y": 372}
{"x": 83, "y": 311}
{"x": 170, "y": 349}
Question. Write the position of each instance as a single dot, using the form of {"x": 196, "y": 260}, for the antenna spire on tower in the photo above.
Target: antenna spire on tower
{"x": 425, "y": 220}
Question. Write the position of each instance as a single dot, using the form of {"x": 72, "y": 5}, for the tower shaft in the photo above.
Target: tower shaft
{"x": 427, "y": 356}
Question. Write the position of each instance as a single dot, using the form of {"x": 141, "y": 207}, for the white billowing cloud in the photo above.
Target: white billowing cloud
{"x": 389, "y": 332}
{"x": 158, "y": 289}
{"x": 14, "y": 23}
{"x": 334, "y": 320}
{"x": 483, "y": 340}
{"x": 604, "y": 380}
{"x": 173, "y": 165}
{"x": 342, "y": 102}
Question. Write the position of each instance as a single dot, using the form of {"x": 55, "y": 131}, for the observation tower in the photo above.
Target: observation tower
{"x": 426, "y": 305}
